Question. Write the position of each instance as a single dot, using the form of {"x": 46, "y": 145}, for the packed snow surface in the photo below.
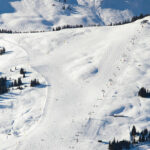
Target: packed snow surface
{"x": 87, "y": 76}
{"x": 26, "y": 15}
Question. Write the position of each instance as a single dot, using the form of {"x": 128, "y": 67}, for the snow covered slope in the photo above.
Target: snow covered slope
{"x": 20, "y": 110}
{"x": 92, "y": 73}
{"x": 42, "y": 14}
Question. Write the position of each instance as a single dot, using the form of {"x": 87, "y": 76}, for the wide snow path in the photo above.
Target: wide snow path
{"x": 80, "y": 66}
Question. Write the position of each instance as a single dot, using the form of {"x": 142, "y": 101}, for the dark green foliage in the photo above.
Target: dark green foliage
{"x": 24, "y": 75}
{"x": 67, "y": 27}
{"x": 22, "y": 71}
{"x": 78, "y": 26}
{"x": 138, "y": 17}
{"x": 17, "y": 82}
{"x": 5, "y": 31}
{"x": 2, "y": 50}
{"x": 143, "y": 136}
{"x": 34, "y": 83}
{"x": 140, "y": 139}
{"x": 134, "y": 18}
{"x": 144, "y": 93}
{"x": 145, "y": 132}
{"x": 119, "y": 145}
{"x": 133, "y": 132}
{"x": 3, "y": 85}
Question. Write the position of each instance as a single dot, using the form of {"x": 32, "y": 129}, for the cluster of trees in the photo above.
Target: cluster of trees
{"x": 34, "y": 83}
{"x": 2, "y": 50}
{"x": 119, "y": 145}
{"x": 17, "y": 82}
{"x": 120, "y": 23}
{"x": 3, "y": 85}
{"x": 139, "y": 137}
{"x": 134, "y": 18}
{"x": 79, "y": 26}
{"x": 5, "y": 31}
{"x": 135, "y": 136}
{"x": 144, "y": 93}
{"x": 141, "y": 16}
{"x": 67, "y": 27}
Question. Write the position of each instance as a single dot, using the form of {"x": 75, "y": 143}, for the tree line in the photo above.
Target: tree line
{"x": 133, "y": 19}
{"x": 136, "y": 138}
{"x": 119, "y": 145}
{"x": 5, "y": 31}
{"x": 58, "y": 28}
{"x": 67, "y": 27}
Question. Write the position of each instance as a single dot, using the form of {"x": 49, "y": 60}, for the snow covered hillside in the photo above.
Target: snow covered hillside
{"x": 42, "y": 14}
{"x": 88, "y": 76}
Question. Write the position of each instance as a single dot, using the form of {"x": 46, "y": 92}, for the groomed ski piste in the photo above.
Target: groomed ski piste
{"x": 87, "y": 76}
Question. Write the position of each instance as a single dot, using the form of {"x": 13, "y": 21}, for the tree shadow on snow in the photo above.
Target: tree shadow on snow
{"x": 7, "y": 52}
{"x": 28, "y": 72}
{"x": 47, "y": 23}
{"x": 104, "y": 142}
{"x": 42, "y": 86}
{"x": 2, "y": 98}
{"x": 8, "y": 96}
{"x": 6, "y": 106}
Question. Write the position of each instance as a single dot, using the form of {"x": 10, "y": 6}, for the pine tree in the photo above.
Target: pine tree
{"x": 22, "y": 71}
{"x": 15, "y": 83}
{"x": 19, "y": 82}
{"x": 133, "y": 132}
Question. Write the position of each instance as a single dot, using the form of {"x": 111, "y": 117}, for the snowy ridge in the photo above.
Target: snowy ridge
{"x": 27, "y": 15}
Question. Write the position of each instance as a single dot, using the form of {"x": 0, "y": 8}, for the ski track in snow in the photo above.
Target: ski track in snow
{"x": 24, "y": 62}
{"x": 77, "y": 102}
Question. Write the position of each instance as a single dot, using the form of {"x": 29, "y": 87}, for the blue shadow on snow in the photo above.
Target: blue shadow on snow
{"x": 136, "y": 6}
{"x": 5, "y": 6}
